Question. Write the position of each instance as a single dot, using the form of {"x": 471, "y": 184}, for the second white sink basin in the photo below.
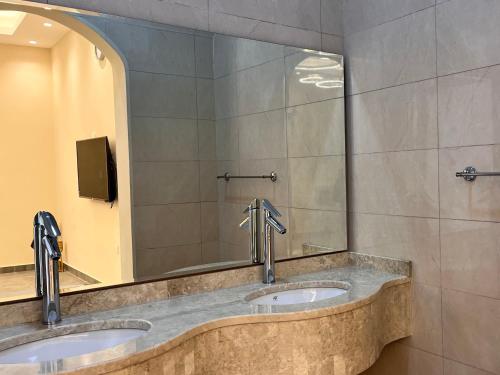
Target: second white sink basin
{"x": 69, "y": 345}
{"x": 298, "y": 293}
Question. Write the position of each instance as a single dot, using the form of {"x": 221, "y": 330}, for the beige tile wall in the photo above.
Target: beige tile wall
{"x": 423, "y": 84}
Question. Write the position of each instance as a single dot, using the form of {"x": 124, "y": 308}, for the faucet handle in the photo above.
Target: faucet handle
{"x": 269, "y": 207}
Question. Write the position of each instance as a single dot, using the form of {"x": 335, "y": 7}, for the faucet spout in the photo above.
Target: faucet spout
{"x": 277, "y": 226}
{"x": 271, "y": 225}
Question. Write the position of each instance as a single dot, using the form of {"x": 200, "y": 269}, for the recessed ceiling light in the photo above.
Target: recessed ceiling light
{"x": 47, "y": 24}
{"x": 10, "y": 21}
{"x": 34, "y": 42}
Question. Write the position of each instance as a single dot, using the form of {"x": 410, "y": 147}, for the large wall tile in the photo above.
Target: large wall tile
{"x": 395, "y": 183}
{"x": 210, "y": 252}
{"x": 209, "y": 222}
{"x": 128, "y": 8}
{"x": 253, "y": 90}
{"x": 394, "y": 53}
{"x": 230, "y": 252}
{"x": 456, "y": 368}
{"x": 167, "y": 225}
{"x": 155, "y": 262}
{"x": 363, "y": 14}
{"x": 226, "y": 135}
{"x": 276, "y": 192}
{"x": 159, "y": 95}
{"x": 166, "y": 182}
{"x": 149, "y": 49}
{"x": 470, "y": 329}
{"x": 163, "y": 139}
{"x": 186, "y": 13}
{"x": 467, "y": 35}
{"x": 204, "y": 57}
{"x": 262, "y": 135}
{"x": 331, "y": 17}
{"x": 230, "y": 216}
{"x": 205, "y": 98}
{"x": 414, "y": 239}
{"x": 206, "y": 140}
{"x": 426, "y": 319}
{"x": 471, "y": 257}
{"x": 316, "y": 129}
{"x": 468, "y": 108}
{"x": 394, "y": 119}
{"x": 208, "y": 181}
{"x": 398, "y": 359}
{"x": 298, "y": 67}
{"x": 327, "y": 177}
{"x": 266, "y": 31}
{"x": 460, "y": 199}
{"x": 233, "y": 54}
{"x": 332, "y": 43}
{"x": 303, "y": 14}
{"x": 322, "y": 228}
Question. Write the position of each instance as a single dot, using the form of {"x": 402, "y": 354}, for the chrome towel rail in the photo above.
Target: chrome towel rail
{"x": 273, "y": 176}
{"x": 470, "y": 174}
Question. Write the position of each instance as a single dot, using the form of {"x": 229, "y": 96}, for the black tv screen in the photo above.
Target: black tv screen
{"x": 96, "y": 169}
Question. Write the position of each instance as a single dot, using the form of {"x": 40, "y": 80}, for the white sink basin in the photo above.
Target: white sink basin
{"x": 298, "y": 293}
{"x": 69, "y": 345}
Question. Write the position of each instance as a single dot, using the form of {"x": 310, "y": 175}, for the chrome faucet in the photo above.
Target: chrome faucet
{"x": 252, "y": 225}
{"x": 271, "y": 224}
{"x": 47, "y": 254}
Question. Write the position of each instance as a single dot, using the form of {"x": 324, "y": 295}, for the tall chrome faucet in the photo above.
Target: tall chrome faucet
{"x": 47, "y": 254}
{"x": 270, "y": 223}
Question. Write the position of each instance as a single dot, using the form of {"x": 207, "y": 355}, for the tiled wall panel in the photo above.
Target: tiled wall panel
{"x": 424, "y": 95}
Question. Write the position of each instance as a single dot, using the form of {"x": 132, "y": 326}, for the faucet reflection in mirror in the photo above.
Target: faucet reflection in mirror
{"x": 47, "y": 254}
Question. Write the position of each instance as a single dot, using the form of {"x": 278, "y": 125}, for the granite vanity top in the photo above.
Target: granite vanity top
{"x": 174, "y": 319}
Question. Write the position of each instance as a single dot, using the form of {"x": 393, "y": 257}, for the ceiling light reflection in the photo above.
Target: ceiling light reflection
{"x": 314, "y": 63}
{"x": 311, "y": 79}
{"x": 329, "y": 84}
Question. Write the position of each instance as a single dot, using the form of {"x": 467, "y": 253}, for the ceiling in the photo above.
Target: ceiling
{"x": 31, "y": 28}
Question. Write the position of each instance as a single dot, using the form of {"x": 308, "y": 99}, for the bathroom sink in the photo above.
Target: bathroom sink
{"x": 71, "y": 342}
{"x": 297, "y": 293}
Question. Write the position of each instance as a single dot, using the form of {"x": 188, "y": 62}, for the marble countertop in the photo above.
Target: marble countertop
{"x": 174, "y": 319}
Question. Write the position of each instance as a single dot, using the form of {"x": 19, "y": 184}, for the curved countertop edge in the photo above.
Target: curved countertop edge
{"x": 130, "y": 360}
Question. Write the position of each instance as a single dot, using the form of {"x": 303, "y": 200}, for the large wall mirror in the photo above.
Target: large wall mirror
{"x": 181, "y": 111}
